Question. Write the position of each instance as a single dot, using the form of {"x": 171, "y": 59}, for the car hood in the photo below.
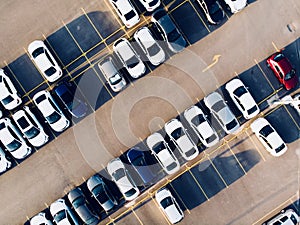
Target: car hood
{"x": 39, "y": 140}
{"x": 138, "y": 70}
{"x": 43, "y": 61}
{"x": 275, "y": 140}
{"x": 173, "y": 214}
{"x": 22, "y": 152}
{"x": 248, "y": 101}
{"x": 60, "y": 125}
{"x": 239, "y": 4}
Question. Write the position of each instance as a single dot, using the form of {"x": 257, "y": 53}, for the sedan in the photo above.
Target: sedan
{"x": 163, "y": 154}
{"x": 5, "y": 164}
{"x": 76, "y": 106}
{"x": 115, "y": 80}
{"x": 221, "y": 112}
{"x": 129, "y": 58}
{"x": 242, "y": 98}
{"x": 285, "y": 217}
{"x": 126, "y": 12}
{"x": 101, "y": 192}
{"x": 236, "y": 5}
{"x": 50, "y": 110}
{"x": 212, "y": 10}
{"x": 40, "y": 219}
{"x": 44, "y": 60}
{"x": 283, "y": 70}
{"x": 62, "y": 214}
{"x": 78, "y": 202}
{"x": 149, "y": 46}
{"x": 168, "y": 30}
{"x": 13, "y": 140}
{"x": 123, "y": 180}
{"x": 168, "y": 204}
{"x": 181, "y": 139}
{"x": 150, "y": 5}
{"x": 30, "y": 127}
{"x": 8, "y": 93}
{"x": 268, "y": 136}
{"x": 138, "y": 159}
{"x": 200, "y": 125}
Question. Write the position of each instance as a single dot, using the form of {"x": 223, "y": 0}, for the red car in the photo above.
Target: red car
{"x": 283, "y": 70}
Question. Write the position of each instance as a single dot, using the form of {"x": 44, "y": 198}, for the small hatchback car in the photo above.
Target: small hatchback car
{"x": 44, "y": 60}
{"x": 62, "y": 214}
{"x": 282, "y": 68}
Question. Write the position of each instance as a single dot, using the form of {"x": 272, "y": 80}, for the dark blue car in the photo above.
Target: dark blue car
{"x": 141, "y": 164}
{"x": 66, "y": 93}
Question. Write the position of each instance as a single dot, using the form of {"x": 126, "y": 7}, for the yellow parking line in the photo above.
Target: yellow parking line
{"x": 177, "y": 6}
{"x": 199, "y": 185}
{"x": 236, "y": 159}
{"x": 136, "y": 216}
{"x": 213, "y": 165}
{"x": 87, "y": 59}
{"x": 264, "y": 74}
{"x": 189, "y": 212}
{"x": 277, "y": 50}
{"x": 155, "y": 202}
{"x": 269, "y": 96}
{"x": 256, "y": 147}
{"x": 199, "y": 16}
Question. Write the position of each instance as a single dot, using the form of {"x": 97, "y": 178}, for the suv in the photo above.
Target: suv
{"x": 168, "y": 30}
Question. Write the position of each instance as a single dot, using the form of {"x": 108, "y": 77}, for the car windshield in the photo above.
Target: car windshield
{"x": 231, "y": 125}
{"x": 78, "y": 201}
{"x": 252, "y": 110}
{"x": 132, "y": 62}
{"x": 153, "y": 49}
{"x": 14, "y": 145}
{"x": 218, "y": 106}
{"x": 59, "y": 216}
{"x": 290, "y": 74}
{"x": 115, "y": 79}
{"x": 158, "y": 147}
{"x": 139, "y": 161}
{"x": 67, "y": 99}
{"x": 37, "y": 52}
{"x": 32, "y": 132}
{"x": 211, "y": 138}
{"x": 118, "y": 174}
{"x": 50, "y": 71}
{"x": 54, "y": 117}
{"x": 177, "y": 133}
{"x": 130, "y": 192}
{"x": 40, "y": 99}
{"x": 240, "y": 91}
{"x": 173, "y": 35}
{"x": 129, "y": 15}
{"x": 266, "y": 130}
{"x": 280, "y": 148}
{"x": 278, "y": 57}
{"x": 153, "y": 3}
{"x": 171, "y": 166}
{"x": 100, "y": 194}
{"x": 166, "y": 202}
{"x": 197, "y": 120}
{"x": 7, "y": 100}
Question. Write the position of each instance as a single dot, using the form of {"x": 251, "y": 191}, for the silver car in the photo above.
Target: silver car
{"x": 101, "y": 192}
{"x": 115, "y": 80}
{"x": 221, "y": 112}
{"x": 78, "y": 202}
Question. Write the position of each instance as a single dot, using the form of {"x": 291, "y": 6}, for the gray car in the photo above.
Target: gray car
{"x": 78, "y": 202}
{"x": 101, "y": 192}
{"x": 169, "y": 31}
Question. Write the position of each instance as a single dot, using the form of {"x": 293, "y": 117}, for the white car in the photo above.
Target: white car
{"x": 44, "y": 60}
{"x": 123, "y": 180}
{"x": 8, "y": 93}
{"x": 268, "y": 136}
{"x": 30, "y": 127}
{"x": 296, "y": 103}
{"x": 200, "y": 125}
{"x": 115, "y": 80}
{"x": 150, "y": 5}
{"x": 126, "y": 12}
{"x": 288, "y": 217}
{"x": 236, "y": 5}
{"x": 62, "y": 214}
{"x": 163, "y": 154}
{"x": 40, "y": 219}
{"x": 149, "y": 46}
{"x": 4, "y": 162}
{"x": 168, "y": 204}
{"x": 242, "y": 98}
{"x": 129, "y": 58}
{"x": 13, "y": 140}
{"x": 50, "y": 110}
{"x": 181, "y": 139}
{"x": 221, "y": 112}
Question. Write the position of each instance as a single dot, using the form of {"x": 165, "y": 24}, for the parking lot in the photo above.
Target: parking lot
{"x": 224, "y": 178}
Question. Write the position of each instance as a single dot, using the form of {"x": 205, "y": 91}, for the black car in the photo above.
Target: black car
{"x": 212, "y": 10}
{"x": 66, "y": 92}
